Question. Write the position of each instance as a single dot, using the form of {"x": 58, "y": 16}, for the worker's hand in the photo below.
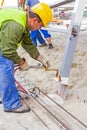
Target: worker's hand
{"x": 44, "y": 62}
{"x": 23, "y": 65}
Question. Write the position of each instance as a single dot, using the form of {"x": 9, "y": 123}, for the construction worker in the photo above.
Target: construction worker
{"x": 21, "y": 4}
{"x": 14, "y": 28}
{"x": 41, "y": 35}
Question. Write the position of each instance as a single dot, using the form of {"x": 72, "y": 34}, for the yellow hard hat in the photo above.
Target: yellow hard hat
{"x": 44, "y": 12}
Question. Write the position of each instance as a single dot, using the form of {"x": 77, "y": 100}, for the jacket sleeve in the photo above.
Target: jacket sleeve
{"x": 11, "y": 32}
{"x": 29, "y": 46}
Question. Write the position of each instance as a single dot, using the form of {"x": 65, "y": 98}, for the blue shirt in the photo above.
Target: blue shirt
{"x": 31, "y": 3}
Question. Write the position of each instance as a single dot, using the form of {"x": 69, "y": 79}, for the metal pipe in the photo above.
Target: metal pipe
{"x": 61, "y": 3}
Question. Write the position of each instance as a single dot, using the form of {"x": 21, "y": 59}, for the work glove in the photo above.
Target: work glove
{"x": 23, "y": 66}
{"x": 50, "y": 46}
{"x": 44, "y": 62}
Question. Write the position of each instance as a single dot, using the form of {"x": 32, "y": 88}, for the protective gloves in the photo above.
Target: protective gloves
{"x": 50, "y": 46}
{"x": 44, "y": 62}
{"x": 23, "y": 65}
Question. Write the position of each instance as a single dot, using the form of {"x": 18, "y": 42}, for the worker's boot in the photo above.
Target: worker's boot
{"x": 22, "y": 109}
{"x": 50, "y": 46}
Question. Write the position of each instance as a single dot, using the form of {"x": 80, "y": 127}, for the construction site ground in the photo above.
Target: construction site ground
{"x": 48, "y": 110}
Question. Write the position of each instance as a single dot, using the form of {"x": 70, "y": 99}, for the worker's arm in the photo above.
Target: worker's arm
{"x": 29, "y": 46}
{"x": 11, "y": 32}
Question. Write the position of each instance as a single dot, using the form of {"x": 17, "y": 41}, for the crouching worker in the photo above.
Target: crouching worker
{"x": 14, "y": 27}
